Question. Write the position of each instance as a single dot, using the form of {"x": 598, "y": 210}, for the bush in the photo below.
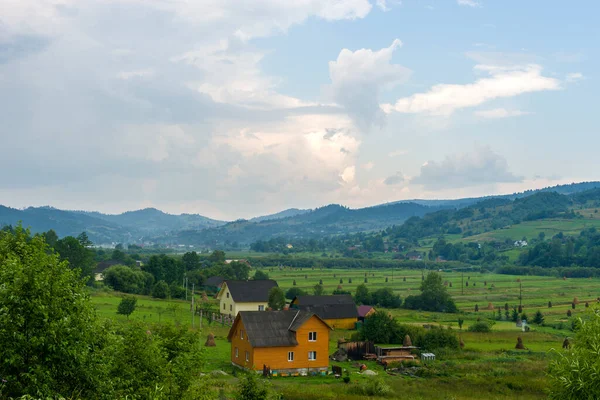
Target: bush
{"x": 481, "y": 326}
{"x": 373, "y": 387}
{"x": 160, "y": 290}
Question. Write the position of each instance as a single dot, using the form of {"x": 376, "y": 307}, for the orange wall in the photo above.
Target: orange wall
{"x": 243, "y": 345}
{"x": 277, "y": 357}
{"x": 343, "y": 323}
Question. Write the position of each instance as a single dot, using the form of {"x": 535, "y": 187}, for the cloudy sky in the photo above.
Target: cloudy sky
{"x": 232, "y": 108}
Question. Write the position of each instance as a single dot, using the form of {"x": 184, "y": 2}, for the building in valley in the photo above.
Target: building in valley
{"x": 236, "y": 296}
{"x": 290, "y": 342}
{"x": 339, "y": 310}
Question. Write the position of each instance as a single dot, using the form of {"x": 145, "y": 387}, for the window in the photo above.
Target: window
{"x": 231, "y": 307}
{"x": 242, "y": 334}
{"x": 247, "y": 356}
{"x": 223, "y": 306}
{"x": 290, "y": 356}
{"x": 312, "y": 336}
{"x": 312, "y": 355}
{"x": 237, "y": 353}
{"x": 227, "y": 294}
{"x": 261, "y": 308}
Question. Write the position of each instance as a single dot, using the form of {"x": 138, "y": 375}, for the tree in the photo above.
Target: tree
{"x": 433, "y": 297}
{"x": 293, "y": 292}
{"x": 259, "y": 275}
{"x": 127, "y": 306}
{"x": 160, "y": 290}
{"x": 538, "y": 318}
{"x": 362, "y": 295}
{"x": 379, "y": 327}
{"x": 128, "y": 280}
{"x": 191, "y": 261}
{"x": 51, "y": 238}
{"x": 49, "y": 322}
{"x": 572, "y": 373}
{"x": 84, "y": 240}
{"x": 460, "y": 323}
{"x": 78, "y": 256}
{"x": 276, "y": 298}
{"x": 217, "y": 257}
{"x": 385, "y": 297}
{"x": 318, "y": 290}
{"x": 250, "y": 389}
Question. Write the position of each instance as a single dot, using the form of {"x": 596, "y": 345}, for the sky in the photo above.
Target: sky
{"x": 233, "y": 109}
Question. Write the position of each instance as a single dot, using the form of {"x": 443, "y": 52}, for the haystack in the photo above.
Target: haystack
{"x": 461, "y": 343}
{"x": 490, "y": 306}
{"x": 575, "y": 300}
{"x": 566, "y": 344}
{"x": 210, "y": 341}
{"x": 520, "y": 345}
{"x": 407, "y": 341}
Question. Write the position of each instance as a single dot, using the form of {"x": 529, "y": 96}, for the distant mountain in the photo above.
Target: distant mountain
{"x": 290, "y": 212}
{"x": 129, "y": 227}
{"x": 152, "y": 225}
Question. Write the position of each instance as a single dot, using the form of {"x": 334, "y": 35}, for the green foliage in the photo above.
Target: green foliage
{"x": 573, "y": 372}
{"x": 251, "y": 389}
{"x": 293, "y": 292}
{"x": 127, "y": 306}
{"x": 373, "y": 387}
{"x": 260, "y": 275}
{"x": 78, "y": 256}
{"x": 379, "y": 327}
{"x": 481, "y": 327}
{"x": 160, "y": 290}
{"x": 276, "y": 298}
{"x": 318, "y": 290}
{"x": 362, "y": 295}
{"x": 433, "y": 297}
{"x": 128, "y": 280}
{"x": 48, "y": 328}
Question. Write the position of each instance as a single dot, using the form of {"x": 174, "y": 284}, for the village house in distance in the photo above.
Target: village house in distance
{"x": 290, "y": 342}
{"x": 338, "y": 310}
{"x": 236, "y": 296}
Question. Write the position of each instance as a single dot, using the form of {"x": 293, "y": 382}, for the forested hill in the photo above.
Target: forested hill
{"x": 324, "y": 221}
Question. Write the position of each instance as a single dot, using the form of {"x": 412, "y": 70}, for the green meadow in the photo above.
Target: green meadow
{"x": 487, "y": 367}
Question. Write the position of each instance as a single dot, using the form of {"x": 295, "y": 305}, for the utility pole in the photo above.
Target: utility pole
{"x": 185, "y": 286}
{"x": 462, "y": 283}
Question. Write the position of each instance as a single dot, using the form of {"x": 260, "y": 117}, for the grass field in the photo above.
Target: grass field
{"x": 488, "y": 366}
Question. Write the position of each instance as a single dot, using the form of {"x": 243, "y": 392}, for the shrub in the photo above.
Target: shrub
{"x": 373, "y": 387}
{"x": 160, "y": 290}
{"x": 481, "y": 327}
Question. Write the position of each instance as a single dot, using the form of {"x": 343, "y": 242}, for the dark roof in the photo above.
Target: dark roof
{"x": 328, "y": 307}
{"x": 363, "y": 310}
{"x": 214, "y": 281}
{"x": 250, "y": 291}
{"x": 272, "y": 328}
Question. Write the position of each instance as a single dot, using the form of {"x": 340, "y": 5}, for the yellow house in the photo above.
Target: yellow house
{"x": 236, "y": 296}
{"x": 338, "y": 311}
{"x": 290, "y": 342}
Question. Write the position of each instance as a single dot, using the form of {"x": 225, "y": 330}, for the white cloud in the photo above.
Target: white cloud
{"x": 396, "y": 153}
{"x": 574, "y": 77}
{"x": 383, "y": 5}
{"x": 358, "y": 77}
{"x": 348, "y": 174}
{"x": 500, "y": 113}
{"x": 504, "y": 81}
{"x": 368, "y": 165}
{"x": 140, "y": 73}
{"x": 480, "y": 167}
{"x": 395, "y": 179}
{"x": 469, "y": 3}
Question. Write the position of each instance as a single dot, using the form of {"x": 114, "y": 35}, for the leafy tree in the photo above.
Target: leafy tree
{"x": 191, "y": 261}
{"x": 84, "y": 240}
{"x": 318, "y": 290}
{"x": 51, "y": 238}
{"x": 385, "y": 297}
{"x": 433, "y": 297}
{"x": 251, "y": 389}
{"x": 128, "y": 280}
{"x": 48, "y": 327}
{"x": 240, "y": 270}
{"x": 78, "y": 256}
{"x": 379, "y": 327}
{"x": 260, "y": 275}
{"x": 293, "y": 292}
{"x": 572, "y": 373}
{"x": 362, "y": 295}
{"x": 538, "y": 318}
{"x": 160, "y": 290}
{"x": 480, "y": 326}
{"x": 217, "y": 257}
{"x": 460, "y": 323}
{"x": 127, "y": 306}
{"x": 276, "y": 298}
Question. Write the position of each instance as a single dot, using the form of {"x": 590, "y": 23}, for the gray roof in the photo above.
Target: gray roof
{"x": 214, "y": 281}
{"x": 250, "y": 291}
{"x": 338, "y": 306}
{"x": 272, "y": 328}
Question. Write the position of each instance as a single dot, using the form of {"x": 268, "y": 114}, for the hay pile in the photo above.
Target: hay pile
{"x": 210, "y": 341}
{"x": 407, "y": 341}
{"x": 520, "y": 345}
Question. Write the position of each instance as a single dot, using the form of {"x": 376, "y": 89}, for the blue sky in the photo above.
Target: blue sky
{"x": 233, "y": 109}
